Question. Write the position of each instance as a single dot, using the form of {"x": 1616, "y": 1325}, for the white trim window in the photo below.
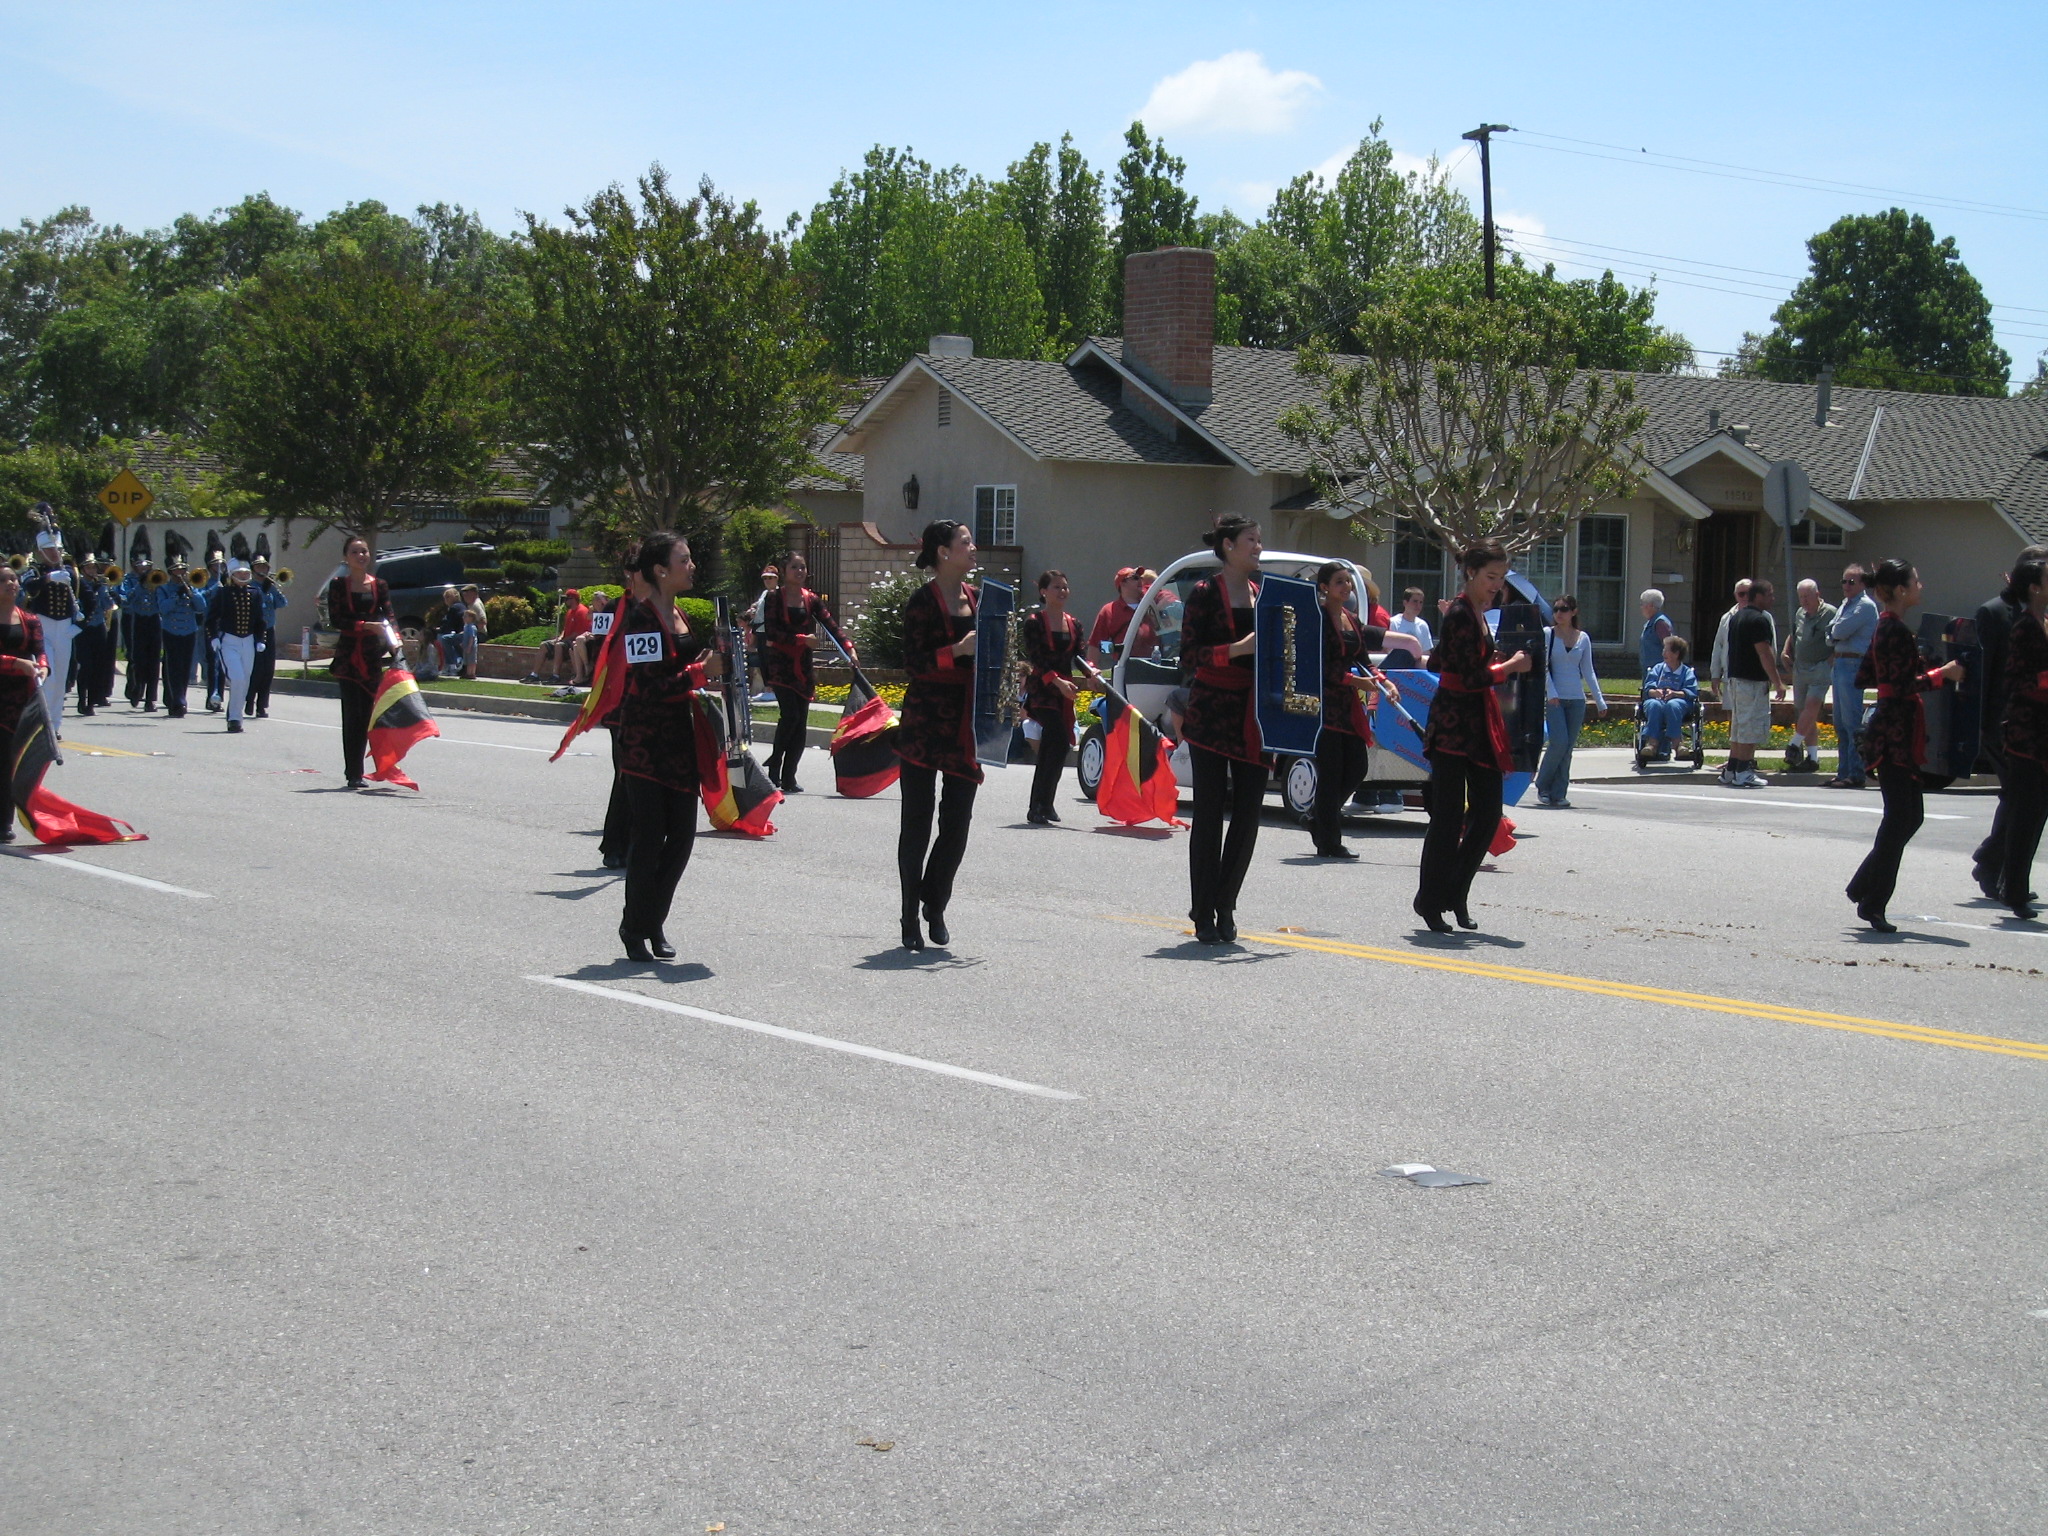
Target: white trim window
{"x": 1602, "y": 584}
{"x": 1418, "y": 562}
{"x": 1812, "y": 533}
{"x": 1543, "y": 564}
{"x": 995, "y": 514}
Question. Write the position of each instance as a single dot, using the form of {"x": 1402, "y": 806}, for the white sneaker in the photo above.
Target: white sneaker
{"x": 1751, "y": 779}
{"x": 1729, "y": 777}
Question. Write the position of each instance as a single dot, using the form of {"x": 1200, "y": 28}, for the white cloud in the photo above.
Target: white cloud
{"x": 1520, "y": 223}
{"x": 1236, "y": 93}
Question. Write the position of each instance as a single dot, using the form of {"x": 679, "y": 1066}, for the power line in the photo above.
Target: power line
{"x": 1769, "y": 177}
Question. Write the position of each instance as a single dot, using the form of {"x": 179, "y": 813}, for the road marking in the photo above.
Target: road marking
{"x": 2035, "y": 1050}
{"x": 823, "y": 1042}
{"x": 460, "y": 741}
{"x": 92, "y": 751}
{"x": 1948, "y": 922}
{"x": 1789, "y": 805}
{"x": 113, "y": 874}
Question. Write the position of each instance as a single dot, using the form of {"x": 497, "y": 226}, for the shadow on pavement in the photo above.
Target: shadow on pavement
{"x": 1141, "y": 834}
{"x": 1217, "y": 954}
{"x": 1424, "y": 939}
{"x": 1906, "y": 936}
{"x": 653, "y": 970}
{"x": 901, "y": 959}
{"x": 606, "y": 880}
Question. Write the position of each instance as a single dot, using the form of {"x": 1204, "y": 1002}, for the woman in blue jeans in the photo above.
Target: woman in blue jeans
{"x": 1569, "y": 678}
{"x": 1670, "y": 690}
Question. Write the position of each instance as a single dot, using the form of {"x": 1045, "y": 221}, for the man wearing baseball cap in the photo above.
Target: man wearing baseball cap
{"x": 1114, "y": 619}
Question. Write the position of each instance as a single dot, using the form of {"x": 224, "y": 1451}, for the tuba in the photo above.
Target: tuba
{"x": 198, "y": 577}
{"x": 17, "y": 562}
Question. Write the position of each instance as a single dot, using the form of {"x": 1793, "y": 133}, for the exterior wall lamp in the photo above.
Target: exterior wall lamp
{"x": 910, "y": 494}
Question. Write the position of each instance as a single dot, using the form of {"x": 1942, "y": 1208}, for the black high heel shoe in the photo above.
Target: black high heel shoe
{"x": 912, "y": 937}
{"x": 658, "y": 942}
{"x": 1226, "y": 927}
{"x": 1432, "y": 917}
{"x": 1465, "y": 919}
{"x": 636, "y": 946}
{"x": 1874, "y": 915}
{"x": 1205, "y": 927}
{"x": 935, "y": 925}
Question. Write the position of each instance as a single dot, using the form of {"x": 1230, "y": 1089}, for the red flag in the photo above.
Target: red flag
{"x": 737, "y": 794}
{"x": 50, "y": 818}
{"x": 1503, "y": 839}
{"x": 398, "y": 719}
{"x": 1137, "y": 778}
{"x": 607, "y": 682}
{"x": 864, "y": 760}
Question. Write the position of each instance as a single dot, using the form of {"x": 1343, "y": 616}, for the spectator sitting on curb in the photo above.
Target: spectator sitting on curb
{"x": 1809, "y": 655}
{"x": 1670, "y": 689}
{"x": 455, "y": 634}
{"x": 1753, "y": 682}
{"x": 562, "y": 653}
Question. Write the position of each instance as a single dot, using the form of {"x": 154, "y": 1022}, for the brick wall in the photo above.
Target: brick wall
{"x": 866, "y": 558}
{"x": 1170, "y": 319}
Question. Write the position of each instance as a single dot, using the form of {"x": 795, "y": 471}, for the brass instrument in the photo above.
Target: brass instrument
{"x": 109, "y": 571}
{"x": 156, "y": 577}
{"x": 283, "y": 577}
{"x": 17, "y": 562}
{"x": 198, "y": 577}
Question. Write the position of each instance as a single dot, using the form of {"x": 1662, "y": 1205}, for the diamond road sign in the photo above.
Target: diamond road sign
{"x": 126, "y": 497}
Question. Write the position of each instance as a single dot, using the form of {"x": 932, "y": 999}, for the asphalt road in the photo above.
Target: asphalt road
{"x": 332, "y": 1209}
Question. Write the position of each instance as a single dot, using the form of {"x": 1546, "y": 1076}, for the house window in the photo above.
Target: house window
{"x": 1602, "y": 588}
{"x": 945, "y": 407}
{"x": 1809, "y": 534}
{"x": 1543, "y": 564}
{"x": 995, "y": 514}
{"x": 1418, "y": 562}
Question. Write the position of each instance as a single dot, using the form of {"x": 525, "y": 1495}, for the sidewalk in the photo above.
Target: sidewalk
{"x": 1616, "y": 765}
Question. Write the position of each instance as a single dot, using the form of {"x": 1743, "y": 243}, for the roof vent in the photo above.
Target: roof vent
{"x": 1740, "y": 432}
{"x": 1714, "y": 419}
{"x": 945, "y": 407}
{"x": 952, "y": 346}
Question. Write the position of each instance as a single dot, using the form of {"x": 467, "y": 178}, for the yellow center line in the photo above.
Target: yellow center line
{"x": 91, "y": 749}
{"x": 1631, "y": 992}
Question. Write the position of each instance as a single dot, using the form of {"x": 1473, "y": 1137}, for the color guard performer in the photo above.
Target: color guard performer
{"x": 1341, "y": 759}
{"x": 1466, "y": 742}
{"x": 234, "y": 630}
{"x": 936, "y": 738}
{"x": 1221, "y": 728}
{"x": 22, "y": 672}
{"x": 1897, "y": 733}
{"x": 657, "y": 731}
{"x": 47, "y": 592}
{"x": 138, "y": 599}
{"x": 359, "y": 608}
{"x": 1052, "y": 649}
{"x": 616, "y": 841}
{"x": 791, "y": 616}
{"x": 2023, "y": 785}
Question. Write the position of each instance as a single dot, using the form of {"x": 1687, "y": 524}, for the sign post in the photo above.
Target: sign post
{"x": 1786, "y": 493}
{"x": 126, "y": 499}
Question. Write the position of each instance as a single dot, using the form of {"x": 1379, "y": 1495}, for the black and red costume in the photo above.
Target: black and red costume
{"x": 936, "y": 739}
{"x": 1466, "y": 741}
{"x": 617, "y": 839}
{"x": 1050, "y": 653}
{"x": 2023, "y": 787}
{"x": 23, "y": 638}
{"x": 657, "y": 746}
{"x": 1894, "y": 746}
{"x": 1347, "y": 728}
{"x": 789, "y": 672}
{"x": 361, "y": 648}
{"x": 1222, "y": 731}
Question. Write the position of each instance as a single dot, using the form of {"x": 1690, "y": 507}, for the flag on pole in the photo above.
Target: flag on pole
{"x": 1137, "y": 780}
{"x": 864, "y": 760}
{"x": 736, "y": 792}
{"x": 50, "y": 818}
{"x": 398, "y": 720}
{"x": 607, "y": 683}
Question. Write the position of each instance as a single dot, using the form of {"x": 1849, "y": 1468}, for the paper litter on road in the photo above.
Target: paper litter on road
{"x": 1428, "y": 1177}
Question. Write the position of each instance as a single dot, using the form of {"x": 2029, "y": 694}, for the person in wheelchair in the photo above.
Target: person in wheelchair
{"x": 1671, "y": 702}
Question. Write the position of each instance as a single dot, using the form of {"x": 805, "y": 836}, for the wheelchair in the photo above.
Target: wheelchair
{"x": 1691, "y": 747}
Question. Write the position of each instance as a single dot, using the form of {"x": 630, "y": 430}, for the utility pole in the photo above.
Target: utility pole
{"x": 1483, "y": 137}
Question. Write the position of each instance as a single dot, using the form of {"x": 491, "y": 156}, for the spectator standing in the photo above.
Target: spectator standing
{"x": 1113, "y": 619}
{"x": 1657, "y": 628}
{"x": 1717, "y": 662}
{"x": 1994, "y": 629}
{"x": 1670, "y": 690}
{"x": 1567, "y": 680}
{"x": 1753, "y": 682}
{"x": 1850, "y": 634}
{"x": 479, "y": 624}
{"x": 1809, "y": 655}
{"x": 1411, "y": 623}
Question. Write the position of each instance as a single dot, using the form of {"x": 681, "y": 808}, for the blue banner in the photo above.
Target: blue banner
{"x": 1288, "y": 687}
{"x": 998, "y": 665}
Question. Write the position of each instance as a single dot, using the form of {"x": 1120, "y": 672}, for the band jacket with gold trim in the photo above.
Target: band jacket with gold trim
{"x": 235, "y": 610}
{"x": 1343, "y": 650}
{"x": 656, "y": 729}
{"x": 2026, "y": 689}
{"x": 358, "y": 619}
{"x": 938, "y": 705}
{"x": 785, "y": 656}
{"x": 1047, "y": 656}
{"x": 1219, "y": 716}
{"x": 1897, "y": 728}
{"x": 1465, "y": 717}
{"x": 16, "y": 687}
{"x": 54, "y": 602}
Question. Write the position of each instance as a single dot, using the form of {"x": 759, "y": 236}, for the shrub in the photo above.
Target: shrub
{"x": 484, "y": 576}
{"x": 533, "y": 636}
{"x": 506, "y": 614}
{"x": 879, "y": 629}
{"x": 534, "y": 551}
{"x": 751, "y": 538}
{"x": 701, "y": 612}
{"x": 520, "y": 571}
{"x": 598, "y": 591}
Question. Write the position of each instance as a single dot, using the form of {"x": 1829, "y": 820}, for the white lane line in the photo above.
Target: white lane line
{"x": 2018, "y": 933}
{"x": 823, "y": 1042}
{"x": 1788, "y": 805}
{"x": 114, "y": 874}
{"x": 460, "y": 741}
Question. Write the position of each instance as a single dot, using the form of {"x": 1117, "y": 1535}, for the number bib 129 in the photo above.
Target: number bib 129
{"x": 643, "y": 645}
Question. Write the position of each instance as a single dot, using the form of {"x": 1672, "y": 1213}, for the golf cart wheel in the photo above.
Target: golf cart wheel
{"x": 1094, "y": 749}
{"x": 1298, "y": 786}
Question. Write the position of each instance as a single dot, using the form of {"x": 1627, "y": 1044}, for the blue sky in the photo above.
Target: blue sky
{"x": 142, "y": 111}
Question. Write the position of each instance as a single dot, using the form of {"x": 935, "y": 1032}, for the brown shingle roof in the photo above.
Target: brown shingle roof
{"x": 1065, "y": 413}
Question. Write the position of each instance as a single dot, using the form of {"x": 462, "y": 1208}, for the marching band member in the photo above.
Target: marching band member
{"x": 1341, "y": 759}
{"x": 359, "y": 608}
{"x": 234, "y": 631}
{"x": 1466, "y": 743}
{"x": 271, "y": 594}
{"x": 2023, "y": 786}
{"x": 48, "y": 593}
{"x": 657, "y": 732}
{"x": 1222, "y": 728}
{"x": 791, "y": 616}
{"x": 92, "y": 653}
{"x": 209, "y": 658}
{"x": 179, "y": 612}
{"x": 936, "y": 737}
{"x": 1052, "y": 649}
{"x": 1897, "y": 733}
{"x": 138, "y": 599}
{"x": 22, "y": 671}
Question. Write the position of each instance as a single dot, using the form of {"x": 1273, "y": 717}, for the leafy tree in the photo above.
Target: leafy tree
{"x": 668, "y": 371}
{"x": 1058, "y": 208}
{"x": 2038, "y": 384}
{"x": 1153, "y": 208}
{"x": 1888, "y": 306}
{"x": 47, "y": 267}
{"x": 1461, "y": 422}
{"x": 752, "y": 537}
{"x": 1597, "y": 322}
{"x": 68, "y": 479}
{"x": 352, "y": 393}
{"x": 499, "y": 521}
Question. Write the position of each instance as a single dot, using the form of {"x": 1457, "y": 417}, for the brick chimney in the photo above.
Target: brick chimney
{"x": 1170, "y": 320}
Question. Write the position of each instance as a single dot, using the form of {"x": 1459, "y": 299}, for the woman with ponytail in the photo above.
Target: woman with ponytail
{"x": 936, "y": 737}
{"x": 1222, "y": 728}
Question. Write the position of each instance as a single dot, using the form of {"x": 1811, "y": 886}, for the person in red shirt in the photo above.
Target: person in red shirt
{"x": 1114, "y": 618}
{"x": 563, "y": 648}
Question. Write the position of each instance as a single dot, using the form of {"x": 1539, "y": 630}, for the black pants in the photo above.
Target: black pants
{"x": 792, "y": 720}
{"x": 1340, "y": 769}
{"x": 209, "y": 664}
{"x": 89, "y": 659}
{"x": 1464, "y": 814}
{"x": 664, "y": 832}
{"x": 355, "y": 727}
{"x": 2023, "y": 810}
{"x": 1905, "y": 808}
{"x": 617, "y": 841}
{"x": 928, "y": 878}
{"x": 145, "y": 657}
{"x": 1216, "y": 864}
{"x": 1989, "y": 852}
{"x": 1053, "y": 742}
{"x": 177, "y": 670}
{"x": 263, "y": 670}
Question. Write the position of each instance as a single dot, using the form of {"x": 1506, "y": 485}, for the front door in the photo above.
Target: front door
{"x": 1724, "y": 548}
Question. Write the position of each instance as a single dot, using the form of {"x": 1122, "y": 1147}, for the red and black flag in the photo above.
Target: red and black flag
{"x": 50, "y": 818}
{"x": 398, "y": 719}
{"x": 1137, "y": 779}
{"x": 736, "y": 792}
{"x": 607, "y": 683}
{"x": 864, "y": 760}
